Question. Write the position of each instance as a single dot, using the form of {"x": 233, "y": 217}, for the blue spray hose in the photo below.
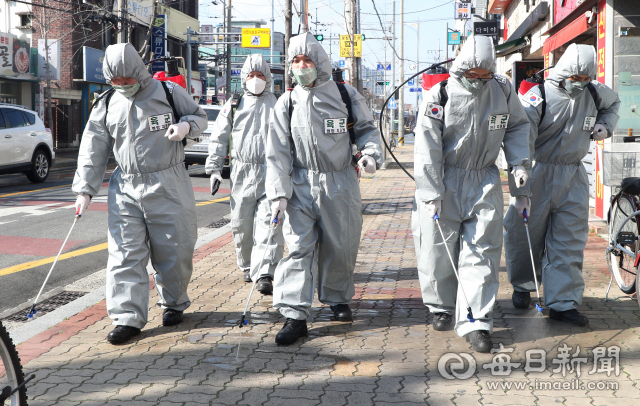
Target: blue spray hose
{"x": 525, "y": 219}
{"x": 455, "y": 270}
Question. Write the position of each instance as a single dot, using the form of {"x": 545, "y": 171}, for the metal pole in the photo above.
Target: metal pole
{"x": 446, "y": 57}
{"x": 188, "y": 61}
{"x": 418, "y": 70}
{"x": 358, "y": 32}
{"x": 228, "y": 84}
{"x": 123, "y": 23}
{"x": 401, "y": 79}
{"x": 393, "y": 67}
{"x": 273, "y": 32}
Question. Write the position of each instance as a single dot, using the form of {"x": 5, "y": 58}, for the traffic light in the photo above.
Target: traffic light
{"x": 320, "y": 37}
{"x": 363, "y": 38}
{"x": 383, "y": 83}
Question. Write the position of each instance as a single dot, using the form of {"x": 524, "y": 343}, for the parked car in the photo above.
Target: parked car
{"x": 26, "y": 145}
{"x": 197, "y": 150}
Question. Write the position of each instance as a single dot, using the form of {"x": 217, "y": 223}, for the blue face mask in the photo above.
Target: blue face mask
{"x": 574, "y": 87}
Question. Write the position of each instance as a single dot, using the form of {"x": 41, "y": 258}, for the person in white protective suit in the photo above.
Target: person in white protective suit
{"x": 310, "y": 175}
{"x": 151, "y": 204}
{"x": 457, "y": 143}
{"x": 246, "y": 129}
{"x": 559, "y": 214}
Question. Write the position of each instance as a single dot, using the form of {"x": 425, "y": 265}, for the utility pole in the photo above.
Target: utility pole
{"x": 48, "y": 90}
{"x": 446, "y": 58}
{"x": 228, "y": 39}
{"x": 304, "y": 15}
{"x": 352, "y": 28}
{"x": 401, "y": 79}
{"x": 123, "y": 22}
{"x": 358, "y": 32}
{"x": 418, "y": 70}
{"x": 287, "y": 39}
{"x": 189, "y": 60}
{"x": 273, "y": 33}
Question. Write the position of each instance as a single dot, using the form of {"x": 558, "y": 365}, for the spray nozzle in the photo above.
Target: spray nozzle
{"x": 435, "y": 217}
{"x": 470, "y": 315}
{"x": 539, "y": 307}
{"x": 243, "y": 321}
{"x": 525, "y": 218}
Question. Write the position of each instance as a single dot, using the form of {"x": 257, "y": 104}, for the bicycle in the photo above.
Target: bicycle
{"x": 12, "y": 382}
{"x": 623, "y": 252}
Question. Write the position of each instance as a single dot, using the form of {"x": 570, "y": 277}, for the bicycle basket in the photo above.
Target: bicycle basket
{"x": 619, "y": 161}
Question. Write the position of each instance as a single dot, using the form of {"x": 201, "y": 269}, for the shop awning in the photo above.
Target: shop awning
{"x": 512, "y": 46}
{"x": 575, "y": 14}
{"x": 575, "y": 28}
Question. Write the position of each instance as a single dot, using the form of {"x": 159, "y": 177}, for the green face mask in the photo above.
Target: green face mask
{"x": 127, "y": 90}
{"x": 474, "y": 84}
{"x": 574, "y": 87}
{"x": 305, "y": 76}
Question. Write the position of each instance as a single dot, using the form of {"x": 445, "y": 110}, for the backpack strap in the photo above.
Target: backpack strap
{"x": 594, "y": 93}
{"x": 544, "y": 102}
{"x": 346, "y": 99}
{"x": 444, "y": 97}
{"x": 107, "y": 96}
{"x": 167, "y": 92}
{"x": 290, "y": 110}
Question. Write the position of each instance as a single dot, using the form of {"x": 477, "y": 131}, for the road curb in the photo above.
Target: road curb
{"x": 34, "y": 338}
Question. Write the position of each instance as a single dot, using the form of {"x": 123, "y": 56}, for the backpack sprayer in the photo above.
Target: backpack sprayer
{"x": 386, "y": 102}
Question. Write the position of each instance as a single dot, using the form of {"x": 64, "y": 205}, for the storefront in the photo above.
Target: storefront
{"x": 17, "y": 80}
{"x": 94, "y": 81}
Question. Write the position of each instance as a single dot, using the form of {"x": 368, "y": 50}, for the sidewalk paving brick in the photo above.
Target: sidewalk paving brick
{"x": 389, "y": 355}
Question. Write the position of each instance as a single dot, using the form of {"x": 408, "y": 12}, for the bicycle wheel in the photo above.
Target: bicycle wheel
{"x": 10, "y": 372}
{"x": 620, "y": 263}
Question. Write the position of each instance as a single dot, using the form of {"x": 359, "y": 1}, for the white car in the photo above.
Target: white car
{"x": 197, "y": 150}
{"x": 25, "y": 144}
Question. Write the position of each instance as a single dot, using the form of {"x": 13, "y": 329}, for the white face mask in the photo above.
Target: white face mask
{"x": 256, "y": 85}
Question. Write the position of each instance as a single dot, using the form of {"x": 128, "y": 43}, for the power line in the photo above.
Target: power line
{"x": 412, "y": 12}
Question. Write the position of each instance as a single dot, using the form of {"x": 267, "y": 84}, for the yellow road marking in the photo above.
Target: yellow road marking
{"x": 213, "y": 201}
{"x": 33, "y": 191}
{"x": 33, "y": 264}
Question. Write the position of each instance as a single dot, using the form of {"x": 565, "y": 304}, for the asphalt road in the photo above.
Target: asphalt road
{"x": 35, "y": 219}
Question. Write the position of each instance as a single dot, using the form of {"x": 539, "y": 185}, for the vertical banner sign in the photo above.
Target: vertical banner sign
{"x": 547, "y": 63}
{"x": 462, "y": 11}
{"x": 599, "y": 188}
{"x": 6, "y": 54}
{"x": 159, "y": 44}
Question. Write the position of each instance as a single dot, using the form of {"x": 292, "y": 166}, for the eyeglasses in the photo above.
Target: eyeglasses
{"x": 473, "y": 75}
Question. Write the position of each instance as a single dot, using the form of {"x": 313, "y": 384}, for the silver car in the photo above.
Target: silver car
{"x": 197, "y": 150}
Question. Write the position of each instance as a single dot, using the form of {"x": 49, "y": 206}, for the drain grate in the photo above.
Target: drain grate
{"x": 219, "y": 224}
{"x": 47, "y": 306}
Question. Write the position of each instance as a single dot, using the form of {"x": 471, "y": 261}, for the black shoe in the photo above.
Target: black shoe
{"x": 442, "y": 321}
{"x": 122, "y": 334}
{"x": 342, "y": 312}
{"x": 171, "y": 317}
{"x": 265, "y": 286}
{"x": 292, "y": 330}
{"x": 247, "y": 276}
{"x": 480, "y": 340}
{"x": 521, "y": 300}
{"x": 570, "y": 316}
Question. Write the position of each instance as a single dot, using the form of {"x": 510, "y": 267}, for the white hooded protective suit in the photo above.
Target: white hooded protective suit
{"x": 309, "y": 164}
{"x": 559, "y": 184}
{"x": 150, "y": 199}
{"x": 246, "y": 130}
{"x": 455, "y": 153}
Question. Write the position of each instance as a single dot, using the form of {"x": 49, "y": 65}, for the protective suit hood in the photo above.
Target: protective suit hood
{"x": 578, "y": 59}
{"x": 477, "y": 52}
{"x": 307, "y": 44}
{"x": 256, "y": 62}
{"x": 122, "y": 60}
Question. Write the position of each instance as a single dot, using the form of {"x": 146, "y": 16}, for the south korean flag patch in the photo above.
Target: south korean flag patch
{"x": 532, "y": 98}
{"x": 434, "y": 111}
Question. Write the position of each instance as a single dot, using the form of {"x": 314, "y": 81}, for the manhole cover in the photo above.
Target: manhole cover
{"x": 220, "y": 223}
{"x": 47, "y": 306}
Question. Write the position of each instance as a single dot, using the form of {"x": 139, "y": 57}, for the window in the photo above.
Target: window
{"x": 14, "y": 118}
{"x": 1, "y": 121}
{"x": 25, "y": 20}
{"x": 29, "y": 118}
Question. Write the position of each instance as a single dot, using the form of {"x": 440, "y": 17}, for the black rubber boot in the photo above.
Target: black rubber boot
{"x": 171, "y": 317}
{"x": 265, "y": 285}
{"x": 442, "y": 321}
{"x": 521, "y": 300}
{"x": 480, "y": 341}
{"x": 342, "y": 312}
{"x": 570, "y": 316}
{"x": 291, "y": 331}
{"x": 122, "y": 334}
{"x": 247, "y": 275}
